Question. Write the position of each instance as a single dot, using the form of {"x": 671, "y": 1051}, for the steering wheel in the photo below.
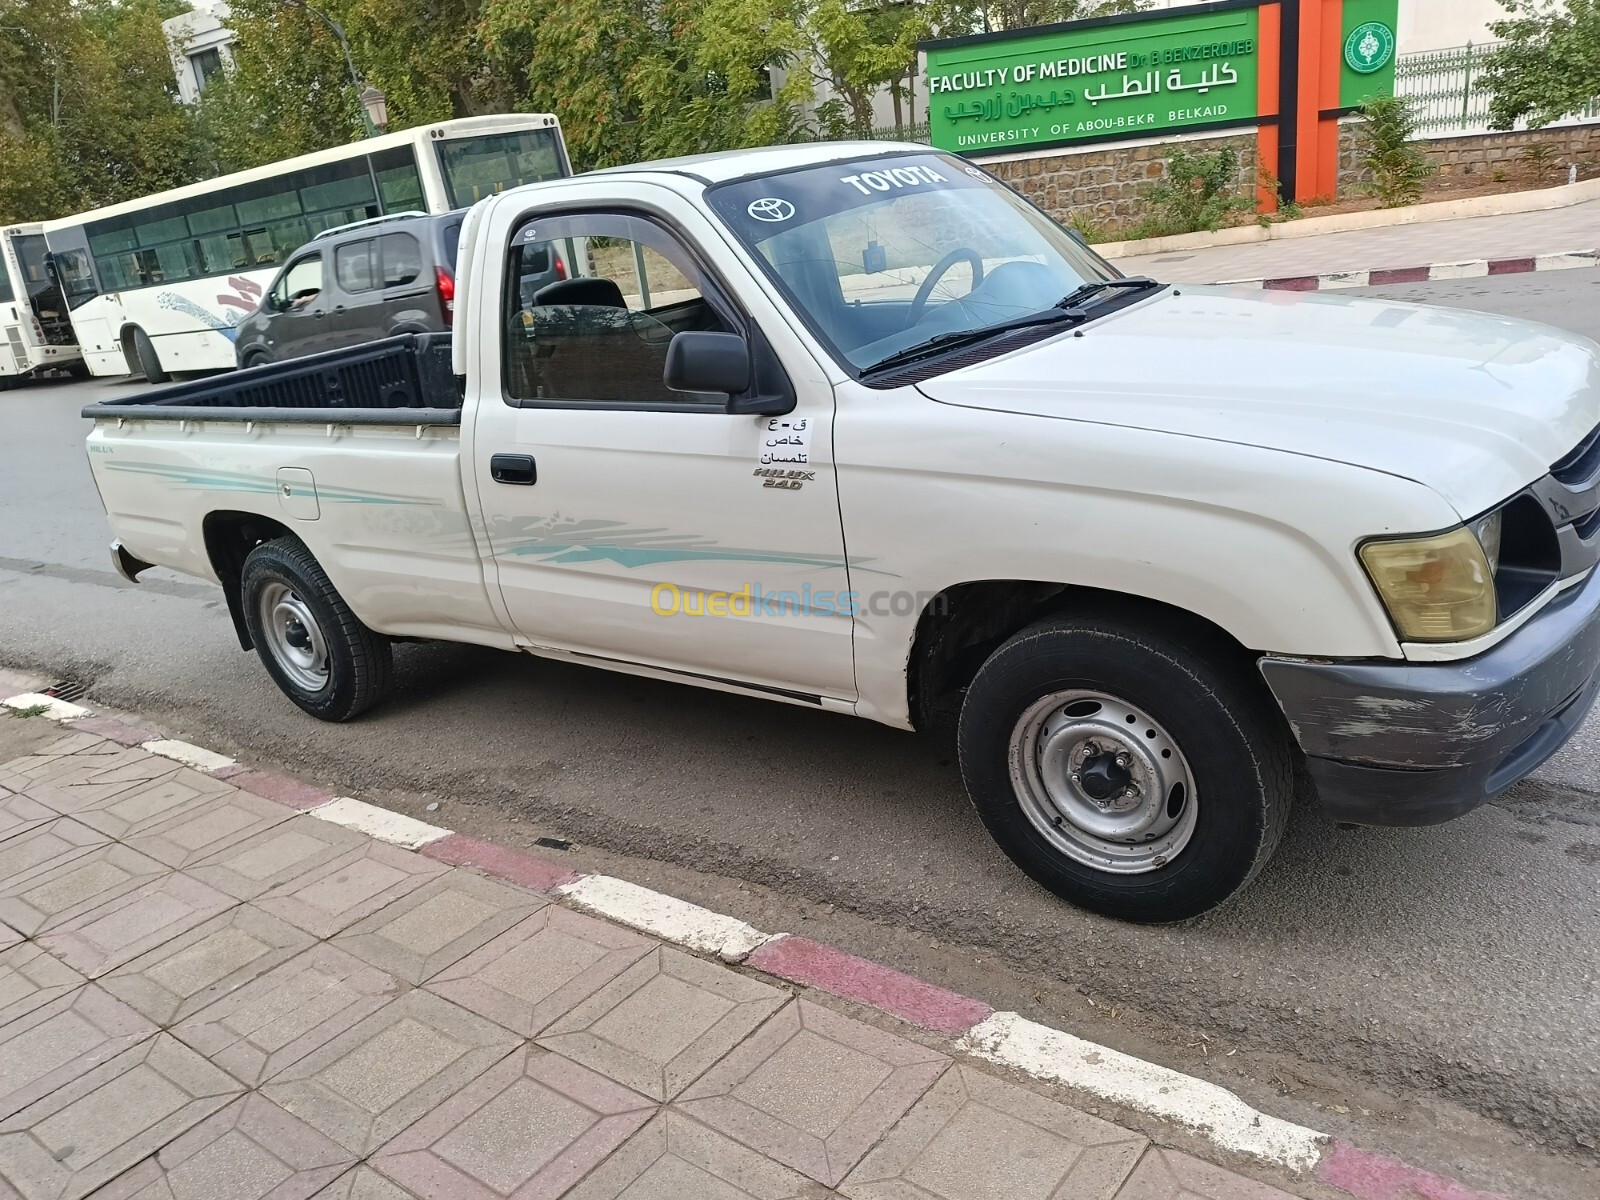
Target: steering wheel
{"x": 960, "y": 254}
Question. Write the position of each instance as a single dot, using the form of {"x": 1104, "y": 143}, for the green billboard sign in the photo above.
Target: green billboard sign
{"x": 1094, "y": 80}
{"x": 1366, "y": 59}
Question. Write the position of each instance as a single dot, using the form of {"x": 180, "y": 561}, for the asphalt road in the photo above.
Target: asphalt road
{"x": 1449, "y": 973}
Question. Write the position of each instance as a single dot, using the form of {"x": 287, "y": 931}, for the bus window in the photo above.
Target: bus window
{"x": 475, "y": 167}
{"x": 399, "y": 184}
{"x": 6, "y": 294}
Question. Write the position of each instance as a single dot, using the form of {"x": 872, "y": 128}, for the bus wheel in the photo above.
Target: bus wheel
{"x": 149, "y": 363}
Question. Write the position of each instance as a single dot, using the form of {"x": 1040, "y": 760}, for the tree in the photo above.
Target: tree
{"x": 1550, "y": 64}
{"x": 88, "y": 107}
{"x": 635, "y": 79}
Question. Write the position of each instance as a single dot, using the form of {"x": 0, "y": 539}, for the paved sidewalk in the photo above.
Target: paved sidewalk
{"x": 207, "y": 994}
{"x": 1523, "y": 235}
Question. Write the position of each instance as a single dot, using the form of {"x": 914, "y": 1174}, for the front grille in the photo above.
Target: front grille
{"x": 1580, "y": 467}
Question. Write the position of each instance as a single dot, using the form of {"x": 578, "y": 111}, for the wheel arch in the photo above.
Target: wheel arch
{"x": 229, "y": 538}
{"x": 962, "y": 625}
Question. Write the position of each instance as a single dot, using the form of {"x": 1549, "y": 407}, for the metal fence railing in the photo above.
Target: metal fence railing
{"x": 1446, "y": 88}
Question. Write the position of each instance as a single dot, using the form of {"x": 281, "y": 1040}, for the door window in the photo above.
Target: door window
{"x": 300, "y": 284}
{"x": 354, "y": 268}
{"x": 593, "y": 302}
{"x": 402, "y": 259}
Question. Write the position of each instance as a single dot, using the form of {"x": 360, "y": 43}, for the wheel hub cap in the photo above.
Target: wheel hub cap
{"x": 293, "y": 637}
{"x": 1103, "y": 781}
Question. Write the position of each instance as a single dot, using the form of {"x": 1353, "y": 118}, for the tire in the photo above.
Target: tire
{"x": 1070, "y": 707}
{"x": 149, "y": 361}
{"x": 256, "y": 358}
{"x": 316, "y": 650}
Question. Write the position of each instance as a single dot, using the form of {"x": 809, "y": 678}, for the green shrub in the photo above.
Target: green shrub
{"x": 1200, "y": 190}
{"x": 1398, "y": 166}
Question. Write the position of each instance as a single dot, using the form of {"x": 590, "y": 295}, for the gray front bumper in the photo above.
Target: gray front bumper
{"x": 1392, "y": 743}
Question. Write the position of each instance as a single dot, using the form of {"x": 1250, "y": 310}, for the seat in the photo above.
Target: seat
{"x": 585, "y": 291}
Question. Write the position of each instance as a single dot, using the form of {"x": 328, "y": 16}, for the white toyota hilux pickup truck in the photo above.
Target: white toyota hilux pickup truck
{"x": 856, "y": 427}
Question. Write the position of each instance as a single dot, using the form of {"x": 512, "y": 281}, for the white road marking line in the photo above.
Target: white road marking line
{"x": 56, "y": 710}
{"x": 665, "y": 916}
{"x": 1230, "y": 1123}
{"x": 189, "y": 755}
{"x": 380, "y": 823}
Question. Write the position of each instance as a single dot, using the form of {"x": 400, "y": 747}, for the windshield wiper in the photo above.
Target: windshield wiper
{"x": 941, "y": 342}
{"x": 1089, "y": 290}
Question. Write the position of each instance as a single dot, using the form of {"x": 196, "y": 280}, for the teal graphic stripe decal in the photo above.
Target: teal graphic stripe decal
{"x": 200, "y": 479}
{"x": 608, "y": 541}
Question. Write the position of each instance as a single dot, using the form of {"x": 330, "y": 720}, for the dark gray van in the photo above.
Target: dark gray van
{"x": 357, "y": 283}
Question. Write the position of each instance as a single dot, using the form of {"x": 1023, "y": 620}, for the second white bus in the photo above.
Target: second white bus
{"x": 158, "y": 285}
{"x": 35, "y": 331}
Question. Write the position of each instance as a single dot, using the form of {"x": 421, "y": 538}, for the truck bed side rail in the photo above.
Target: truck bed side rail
{"x": 403, "y": 380}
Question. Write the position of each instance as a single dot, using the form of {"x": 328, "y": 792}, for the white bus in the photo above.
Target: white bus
{"x": 35, "y": 331}
{"x": 158, "y": 285}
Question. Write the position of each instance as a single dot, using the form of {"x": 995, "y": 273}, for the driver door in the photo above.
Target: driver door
{"x": 639, "y": 525}
{"x": 300, "y": 320}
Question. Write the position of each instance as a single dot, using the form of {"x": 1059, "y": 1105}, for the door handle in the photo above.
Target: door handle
{"x": 513, "y": 468}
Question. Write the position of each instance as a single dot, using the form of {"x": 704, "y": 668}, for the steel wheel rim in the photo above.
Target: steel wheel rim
{"x": 1103, "y": 782}
{"x": 293, "y": 636}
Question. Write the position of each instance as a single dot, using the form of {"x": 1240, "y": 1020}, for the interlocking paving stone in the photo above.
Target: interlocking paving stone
{"x": 80, "y": 1136}
{"x": 674, "y": 1158}
{"x": 534, "y": 972}
{"x": 190, "y": 837}
{"x": 375, "y": 1079}
{"x": 84, "y": 780}
{"x": 358, "y": 883}
{"x": 251, "y": 1150}
{"x": 531, "y": 1126}
{"x": 19, "y": 813}
{"x": 1173, "y": 1175}
{"x": 59, "y": 1041}
{"x": 139, "y": 809}
{"x": 28, "y": 978}
{"x": 663, "y": 1021}
{"x": 272, "y": 858}
{"x": 274, "y": 1021}
{"x": 42, "y": 848}
{"x": 44, "y": 750}
{"x": 364, "y": 1184}
{"x": 183, "y": 975}
{"x": 124, "y": 928}
{"x": 48, "y": 898}
{"x": 813, "y": 1089}
{"x": 418, "y": 936}
{"x": 974, "y": 1137}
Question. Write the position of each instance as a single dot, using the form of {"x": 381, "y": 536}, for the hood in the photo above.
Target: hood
{"x": 1472, "y": 405}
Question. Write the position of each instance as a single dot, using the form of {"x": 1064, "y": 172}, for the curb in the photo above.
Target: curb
{"x": 1473, "y": 269}
{"x": 970, "y": 1026}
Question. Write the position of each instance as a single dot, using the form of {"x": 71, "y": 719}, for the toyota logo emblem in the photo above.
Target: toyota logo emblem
{"x": 770, "y": 208}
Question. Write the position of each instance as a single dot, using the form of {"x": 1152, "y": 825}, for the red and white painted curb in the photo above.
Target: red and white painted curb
{"x": 1007, "y": 1039}
{"x": 1476, "y": 269}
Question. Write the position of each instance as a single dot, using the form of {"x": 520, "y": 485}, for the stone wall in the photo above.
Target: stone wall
{"x": 1104, "y": 187}
{"x": 1482, "y": 154}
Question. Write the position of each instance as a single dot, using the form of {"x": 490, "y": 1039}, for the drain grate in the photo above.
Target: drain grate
{"x": 69, "y": 690}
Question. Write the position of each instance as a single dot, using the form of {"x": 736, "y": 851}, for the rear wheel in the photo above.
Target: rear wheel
{"x": 256, "y": 358}
{"x": 1124, "y": 771}
{"x": 316, "y": 650}
{"x": 144, "y": 351}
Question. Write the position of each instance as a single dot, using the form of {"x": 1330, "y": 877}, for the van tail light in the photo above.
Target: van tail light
{"x": 561, "y": 267}
{"x": 446, "y": 284}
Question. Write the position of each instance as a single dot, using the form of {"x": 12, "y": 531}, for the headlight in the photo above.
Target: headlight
{"x": 1487, "y": 531}
{"x": 1438, "y": 588}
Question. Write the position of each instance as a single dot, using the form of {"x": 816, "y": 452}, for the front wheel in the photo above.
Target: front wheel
{"x": 1122, "y": 770}
{"x": 316, "y": 650}
{"x": 144, "y": 350}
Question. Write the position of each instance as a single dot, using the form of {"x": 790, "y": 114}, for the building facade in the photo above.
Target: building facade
{"x": 199, "y": 42}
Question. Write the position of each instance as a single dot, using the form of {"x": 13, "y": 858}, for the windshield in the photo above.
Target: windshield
{"x": 881, "y": 255}
{"x": 485, "y": 164}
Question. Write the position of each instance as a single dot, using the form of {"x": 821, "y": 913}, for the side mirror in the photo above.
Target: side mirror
{"x": 700, "y": 361}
